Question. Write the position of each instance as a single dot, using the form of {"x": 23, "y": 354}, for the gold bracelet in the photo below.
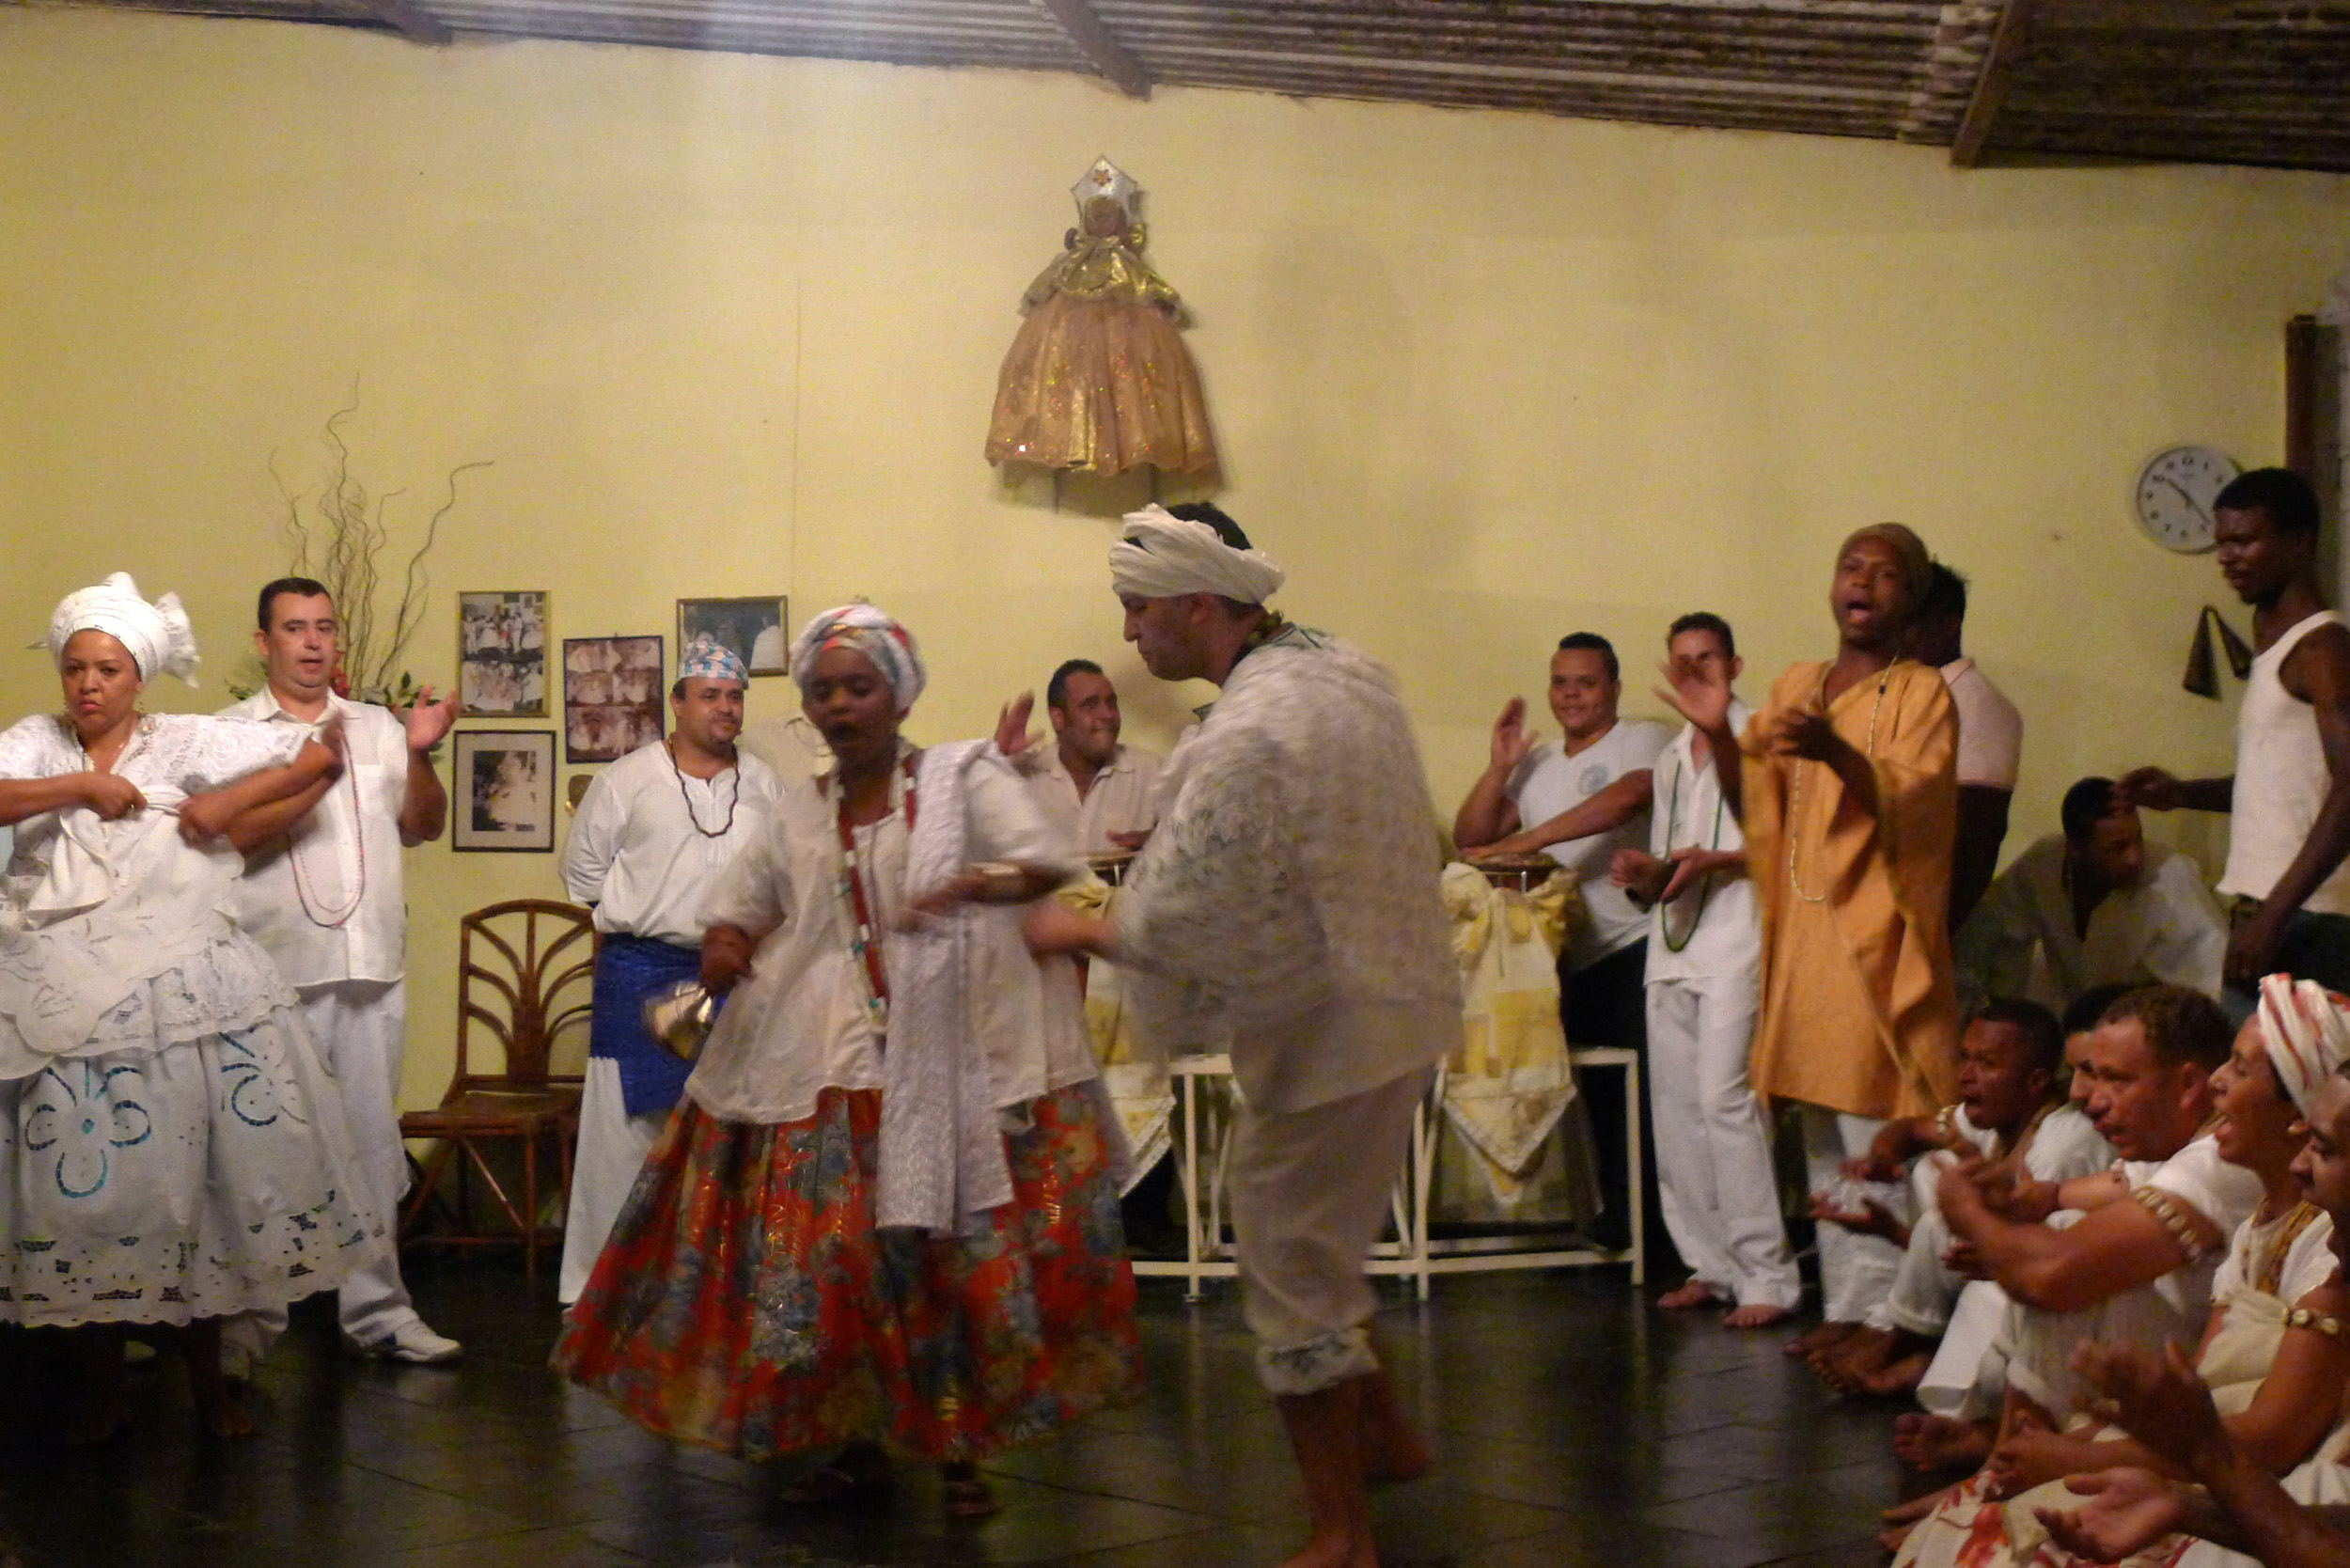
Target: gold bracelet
{"x": 2325, "y": 1323}
{"x": 2175, "y": 1217}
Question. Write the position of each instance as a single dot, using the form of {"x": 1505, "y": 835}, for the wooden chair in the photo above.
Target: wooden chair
{"x": 525, "y": 973}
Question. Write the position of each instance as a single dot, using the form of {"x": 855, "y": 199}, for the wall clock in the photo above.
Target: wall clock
{"x": 2174, "y": 493}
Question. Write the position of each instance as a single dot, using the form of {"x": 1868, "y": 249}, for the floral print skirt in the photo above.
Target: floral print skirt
{"x": 746, "y": 1302}
{"x": 166, "y": 1182}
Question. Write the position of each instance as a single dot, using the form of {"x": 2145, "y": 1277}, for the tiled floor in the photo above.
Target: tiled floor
{"x": 1572, "y": 1423}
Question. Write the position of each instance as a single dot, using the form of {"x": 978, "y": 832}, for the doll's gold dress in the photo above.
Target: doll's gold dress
{"x": 1098, "y": 380}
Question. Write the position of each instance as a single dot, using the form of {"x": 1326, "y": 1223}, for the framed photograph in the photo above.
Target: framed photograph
{"x": 754, "y": 628}
{"x": 501, "y": 655}
{"x": 611, "y": 697}
{"x": 504, "y": 790}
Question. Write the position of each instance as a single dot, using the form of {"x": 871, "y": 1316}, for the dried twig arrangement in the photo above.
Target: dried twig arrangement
{"x": 337, "y": 535}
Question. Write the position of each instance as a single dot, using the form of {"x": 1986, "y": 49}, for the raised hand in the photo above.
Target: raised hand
{"x": 1696, "y": 696}
{"x": 427, "y": 720}
{"x": 1512, "y": 740}
{"x": 1012, "y": 735}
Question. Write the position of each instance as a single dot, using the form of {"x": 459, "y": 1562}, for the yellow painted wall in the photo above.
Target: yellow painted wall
{"x": 731, "y": 326}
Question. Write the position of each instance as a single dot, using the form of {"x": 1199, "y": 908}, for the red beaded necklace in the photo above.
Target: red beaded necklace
{"x": 862, "y": 903}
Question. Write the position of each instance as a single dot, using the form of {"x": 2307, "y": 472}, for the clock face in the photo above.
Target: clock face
{"x": 2174, "y": 493}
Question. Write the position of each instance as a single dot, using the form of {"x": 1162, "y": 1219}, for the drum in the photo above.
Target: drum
{"x": 1111, "y": 868}
{"x": 1518, "y": 872}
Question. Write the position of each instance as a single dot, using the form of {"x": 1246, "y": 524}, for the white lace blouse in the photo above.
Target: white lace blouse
{"x": 111, "y": 933}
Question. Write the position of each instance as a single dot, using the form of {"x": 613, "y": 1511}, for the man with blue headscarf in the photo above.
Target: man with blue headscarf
{"x": 652, "y": 834}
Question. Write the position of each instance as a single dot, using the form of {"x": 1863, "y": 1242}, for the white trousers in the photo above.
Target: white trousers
{"x": 1856, "y": 1271}
{"x": 360, "y": 1028}
{"x": 1969, "y": 1369}
{"x": 1311, "y": 1191}
{"x": 1924, "y": 1288}
{"x": 611, "y": 1149}
{"x": 1713, "y": 1174}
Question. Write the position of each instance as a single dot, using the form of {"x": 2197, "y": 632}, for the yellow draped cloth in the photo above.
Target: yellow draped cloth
{"x": 1509, "y": 1081}
{"x": 1136, "y": 1076}
{"x": 1859, "y": 1010}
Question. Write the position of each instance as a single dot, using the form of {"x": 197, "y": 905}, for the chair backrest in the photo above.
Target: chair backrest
{"x": 525, "y": 972}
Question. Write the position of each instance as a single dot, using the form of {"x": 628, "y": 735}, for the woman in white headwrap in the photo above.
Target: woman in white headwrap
{"x": 884, "y": 1217}
{"x": 2272, "y": 1369}
{"x": 175, "y": 1153}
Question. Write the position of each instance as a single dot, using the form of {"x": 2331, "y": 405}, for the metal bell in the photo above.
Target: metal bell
{"x": 678, "y": 1016}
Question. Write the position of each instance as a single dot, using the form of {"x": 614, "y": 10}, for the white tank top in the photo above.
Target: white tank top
{"x": 2280, "y": 782}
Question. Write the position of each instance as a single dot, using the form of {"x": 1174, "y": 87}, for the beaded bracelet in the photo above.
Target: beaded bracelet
{"x": 2175, "y": 1217}
{"x": 2325, "y": 1323}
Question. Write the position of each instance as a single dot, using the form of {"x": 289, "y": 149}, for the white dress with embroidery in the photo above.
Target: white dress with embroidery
{"x": 171, "y": 1147}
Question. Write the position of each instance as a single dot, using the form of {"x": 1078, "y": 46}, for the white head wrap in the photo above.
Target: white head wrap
{"x": 1161, "y": 556}
{"x": 708, "y": 659}
{"x": 157, "y": 635}
{"x": 2306, "y": 1030}
{"x": 871, "y": 631}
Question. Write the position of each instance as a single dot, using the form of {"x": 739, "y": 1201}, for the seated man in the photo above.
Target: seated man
{"x": 2137, "y": 1267}
{"x": 2096, "y": 905}
{"x": 1964, "y": 1383}
{"x": 2011, "y": 1111}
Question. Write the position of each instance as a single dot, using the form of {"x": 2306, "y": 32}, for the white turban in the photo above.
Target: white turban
{"x": 2306, "y": 1030}
{"x": 1161, "y": 556}
{"x": 157, "y": 635}
{"x": 871, "y": 631}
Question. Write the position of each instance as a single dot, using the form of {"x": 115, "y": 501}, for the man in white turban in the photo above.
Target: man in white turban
{"x": 1295, "y": 909}
{"x": 654, "y": 835}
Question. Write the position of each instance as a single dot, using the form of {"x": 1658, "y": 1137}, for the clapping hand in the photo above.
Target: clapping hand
{"x": 1696, "y": 695}
{"x": 427, "y": 720}
{"x": 2124, "y": 1512}
{"x": 2157, "y": 1400}
{"x": 1012, "y": 735}
{"x": 1512, "y": 740}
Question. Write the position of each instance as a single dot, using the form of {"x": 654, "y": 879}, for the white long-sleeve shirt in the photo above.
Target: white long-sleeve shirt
{"x": 641, "y": 848}
{"x": 2167, "y": 928}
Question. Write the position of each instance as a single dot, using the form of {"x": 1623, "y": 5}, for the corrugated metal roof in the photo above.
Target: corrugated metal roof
{"x": 2198, "y": 80}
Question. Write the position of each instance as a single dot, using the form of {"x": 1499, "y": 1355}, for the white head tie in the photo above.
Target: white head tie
{"x": 1161, "y": 556}
{"x": 2306, "y": 1030}
{"x": 158, "y": 636}
{"x": 871, "y": 631}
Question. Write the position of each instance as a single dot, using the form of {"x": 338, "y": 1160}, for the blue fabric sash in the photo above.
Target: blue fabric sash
{"x": 628, "y": 970}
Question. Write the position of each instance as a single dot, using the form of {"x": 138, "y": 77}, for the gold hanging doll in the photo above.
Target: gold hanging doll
{"x": 1098, "y": 379}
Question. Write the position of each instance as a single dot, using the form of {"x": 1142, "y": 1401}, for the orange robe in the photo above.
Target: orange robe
{"x": 1859, "y": 1013}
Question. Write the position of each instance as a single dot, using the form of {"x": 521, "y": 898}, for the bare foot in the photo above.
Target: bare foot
{"x": 219, "y": 1412}
{"x": 1694, "y": 1294}
{"x": 1813, "y": 1340}
{"x": 1939, "y": 1443}
{"x": 224, "y": 1416}
{"x": 1898, "y": 1377}
{"x": 1846, "y": 1364}
{"x": 858, "y": 1468}
{"x": 1762, "y": 1314}
{"x": 1892, "y": 1539}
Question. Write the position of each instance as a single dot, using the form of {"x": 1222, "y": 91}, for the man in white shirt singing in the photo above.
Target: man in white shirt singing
{"x": 651, "y": 836}
{"x": 322, "y": 896}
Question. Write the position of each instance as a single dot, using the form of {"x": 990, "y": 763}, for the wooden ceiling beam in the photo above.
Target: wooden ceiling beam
{"x": 1991, "y": 83}
{"x": 1092, "y": 40}
{"x": 411, "y": 21}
